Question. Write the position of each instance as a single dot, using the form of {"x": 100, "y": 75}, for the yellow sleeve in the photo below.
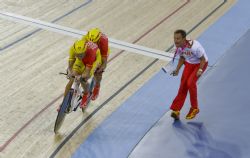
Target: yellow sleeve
{"x": 84, "y": 37}
{"x": 72, "y": 54}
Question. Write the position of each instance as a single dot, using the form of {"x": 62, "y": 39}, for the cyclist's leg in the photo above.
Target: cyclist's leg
{"x": 96, "y": 89}
{"x": 67, "y": 88}
{"x": 97, "y": 77}
{"x": 85, "y": 96}
{"x": 76, "y": 70}
{"x": 84, "y": 83}
{"x": 81, "y": 68}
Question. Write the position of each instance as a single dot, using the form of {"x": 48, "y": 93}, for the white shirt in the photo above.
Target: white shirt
{"x": 192, "y": 55}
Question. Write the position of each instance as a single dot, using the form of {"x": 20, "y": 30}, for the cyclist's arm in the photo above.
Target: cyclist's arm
{"x": 71, "y": 58}
{"x": 180, "y": 63}
{"x": 86, "y": 73}
{"x": 104, "y": 49}
{"x": 104, "y": 62}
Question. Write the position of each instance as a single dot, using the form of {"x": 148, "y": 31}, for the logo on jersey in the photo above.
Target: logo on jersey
{"x": 91, "y": 45}
{"x": 187, "y": 52}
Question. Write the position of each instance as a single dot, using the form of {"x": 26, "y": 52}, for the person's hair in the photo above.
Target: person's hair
{"x": 182, "y": 32}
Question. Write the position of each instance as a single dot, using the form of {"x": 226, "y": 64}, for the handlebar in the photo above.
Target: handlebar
{"x": 66, "y": 74}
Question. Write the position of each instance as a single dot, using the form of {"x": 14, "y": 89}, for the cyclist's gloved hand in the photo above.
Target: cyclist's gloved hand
{"x": 69, "y": 73}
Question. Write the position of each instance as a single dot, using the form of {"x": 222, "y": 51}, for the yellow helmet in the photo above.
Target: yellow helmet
{"x": 80, "y": 46}
{"x": 93, "y": 35}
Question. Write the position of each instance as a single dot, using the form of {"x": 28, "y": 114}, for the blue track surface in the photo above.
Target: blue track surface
{"x": 118, "y": 135}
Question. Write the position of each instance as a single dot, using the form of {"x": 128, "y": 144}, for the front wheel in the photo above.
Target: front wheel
{"x": 63, "y": 111}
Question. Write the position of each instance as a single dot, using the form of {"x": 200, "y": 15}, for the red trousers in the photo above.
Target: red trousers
{"x": 188, "y": 83}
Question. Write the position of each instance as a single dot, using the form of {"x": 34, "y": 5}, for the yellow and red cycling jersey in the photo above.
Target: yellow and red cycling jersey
{"x": 91, "y": 59}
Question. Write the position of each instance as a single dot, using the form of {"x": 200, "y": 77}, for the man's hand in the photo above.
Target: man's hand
{"x": 175, "y": 73}
{"x": 199, "y": 72}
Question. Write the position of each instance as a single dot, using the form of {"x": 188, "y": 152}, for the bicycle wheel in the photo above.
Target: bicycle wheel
{"x": 62, "y": 111}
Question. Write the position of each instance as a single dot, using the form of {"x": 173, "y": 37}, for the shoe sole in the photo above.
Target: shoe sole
{"x": 187, "y": 118}
{"x": 176, "y": 117}
{"x": 190, "y": 118}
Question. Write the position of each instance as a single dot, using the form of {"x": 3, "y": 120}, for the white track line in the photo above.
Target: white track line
{"x": 78, "y": 34}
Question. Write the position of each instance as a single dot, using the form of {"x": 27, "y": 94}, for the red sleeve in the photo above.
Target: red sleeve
{"x": 103, "y": 45}
{"x": 90, "y": 57}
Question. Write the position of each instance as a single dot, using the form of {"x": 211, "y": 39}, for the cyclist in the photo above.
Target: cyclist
{"x": 84, "y": 57}
{"x": 95, "y": 35}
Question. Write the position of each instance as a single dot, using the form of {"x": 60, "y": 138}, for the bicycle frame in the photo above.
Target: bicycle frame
{"x": 71, "y": 101}
{"x": 77, "y": 95}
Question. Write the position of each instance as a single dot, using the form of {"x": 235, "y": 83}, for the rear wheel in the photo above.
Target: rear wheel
{"x": 63, "y": 111}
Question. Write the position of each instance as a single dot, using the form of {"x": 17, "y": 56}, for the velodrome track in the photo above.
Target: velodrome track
{"x": 31, "y": 59}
